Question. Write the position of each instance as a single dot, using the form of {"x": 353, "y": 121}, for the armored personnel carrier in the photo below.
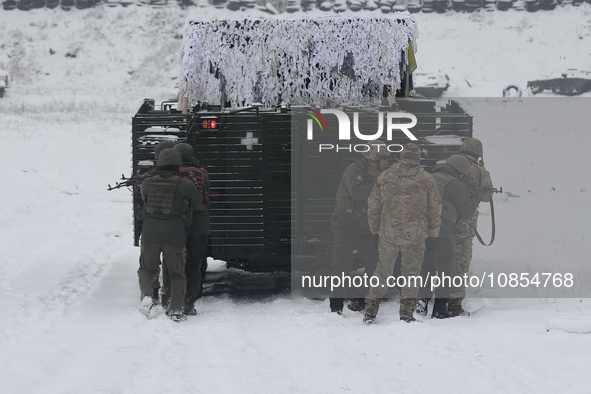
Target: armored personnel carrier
{"x": 253, "y": 102}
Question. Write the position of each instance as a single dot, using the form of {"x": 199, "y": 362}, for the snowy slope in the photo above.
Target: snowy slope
{"x": 68, "y": 283}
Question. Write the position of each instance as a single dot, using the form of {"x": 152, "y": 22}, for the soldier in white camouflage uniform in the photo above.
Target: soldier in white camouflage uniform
{"x": 465, "y": 229}
{"x": 404, "y": 208}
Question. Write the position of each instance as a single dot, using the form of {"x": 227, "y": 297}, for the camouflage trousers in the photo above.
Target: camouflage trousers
{"x": 410, "y": 268}
{"x": 462, "y": 259}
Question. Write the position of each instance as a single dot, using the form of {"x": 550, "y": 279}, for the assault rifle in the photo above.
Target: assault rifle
{"x": 486, "y": 190}
{"x": 479, "y": 191}
{"x": 127, "y": 182}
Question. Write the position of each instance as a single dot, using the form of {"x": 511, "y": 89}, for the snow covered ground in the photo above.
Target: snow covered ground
{"x": 69, "y": 293}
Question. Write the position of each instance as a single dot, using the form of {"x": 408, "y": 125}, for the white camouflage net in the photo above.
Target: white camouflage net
{"x": 273, "y": 61}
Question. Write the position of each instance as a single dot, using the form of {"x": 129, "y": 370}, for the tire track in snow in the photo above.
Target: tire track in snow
{"x": 48, "y": 306}
{"x": 189, "y": 357}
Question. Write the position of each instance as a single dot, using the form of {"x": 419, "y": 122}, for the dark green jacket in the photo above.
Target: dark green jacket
{"x": 455, "y": 198}
{"x": 169, "y": 229}
{"x": 351, "y": 198}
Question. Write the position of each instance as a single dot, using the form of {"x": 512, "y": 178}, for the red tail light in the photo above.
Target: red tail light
{"x": 209, "y": 123}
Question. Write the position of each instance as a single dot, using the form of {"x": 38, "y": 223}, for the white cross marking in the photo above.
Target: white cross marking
{"x": 249, "y": 141}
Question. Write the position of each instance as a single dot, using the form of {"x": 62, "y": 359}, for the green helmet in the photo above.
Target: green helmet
{"x": 472, "y": 146}
{"x": 459, "y": 163}
{"x": 161, "y": 146}
{"x": 377, "y": 151}
{"x": 169, "y": 157}
{"x": 185, "y": 149}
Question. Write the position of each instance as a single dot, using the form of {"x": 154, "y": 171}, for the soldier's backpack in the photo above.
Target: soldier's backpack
{"x": 197, "y": 176}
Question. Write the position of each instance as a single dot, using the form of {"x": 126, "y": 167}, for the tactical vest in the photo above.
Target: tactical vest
{"x": 161, "y": 195}
{"x": 449, "y": 213}
{"x": 197, "y": 176}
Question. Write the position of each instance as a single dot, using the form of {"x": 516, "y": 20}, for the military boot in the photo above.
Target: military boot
{"x": 372, "y": 306}
{"x": 189, "y": 310}
{"x": 455, "y": 308}
{"x": 336, "y": 305}
{"x": 440, "y": 309}
{"x": 441, "y": 314}
{"x": 356, "y": 305}
{"x": 177, "y": 317}
{"x": 369, "y": 319}
{"x": 407, "y": 308}
{"x": 146, "y": 305}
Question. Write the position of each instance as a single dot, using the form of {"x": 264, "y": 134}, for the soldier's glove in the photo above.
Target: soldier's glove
{"x": 373, "y": 173}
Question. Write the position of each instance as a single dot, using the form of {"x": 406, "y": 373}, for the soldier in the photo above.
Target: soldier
{"x": 168, "y": 201}
{"x": 404, "y": 208}
{"x": 349, "y": 221}
{"x": 456, "y": 204}
{"x": 465, "y": 229}
{"x": 159, "y": 148}
{"x": 197, "y": 232}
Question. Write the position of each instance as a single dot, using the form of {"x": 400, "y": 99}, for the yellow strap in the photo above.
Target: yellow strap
{"x": 412, "y": 66}
{"x": 412, "y": 61}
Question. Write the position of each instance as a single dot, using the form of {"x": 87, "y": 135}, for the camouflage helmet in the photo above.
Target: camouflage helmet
{"x": 185, "y": 149}
{"x": 161, "y": 146}
{"x": 377, "y": 151}
{"x": 472, "y": 146}
{"x": 459, "y": 163}
{"x": 169, "y": 157}
{"x": 411, "y": 151}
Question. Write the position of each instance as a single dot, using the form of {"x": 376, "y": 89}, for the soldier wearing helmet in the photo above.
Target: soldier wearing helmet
{"x": 376, "y": 152}
{"x": 439, "y": 259}
{"x": 404, "y": 209}
{"x": 197, "y": 232}
{"x": 349, "y": 221}
{"x": 465, "y": 229}
{"x": 159, "y": 148}
{"x": 168, "y": 201}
